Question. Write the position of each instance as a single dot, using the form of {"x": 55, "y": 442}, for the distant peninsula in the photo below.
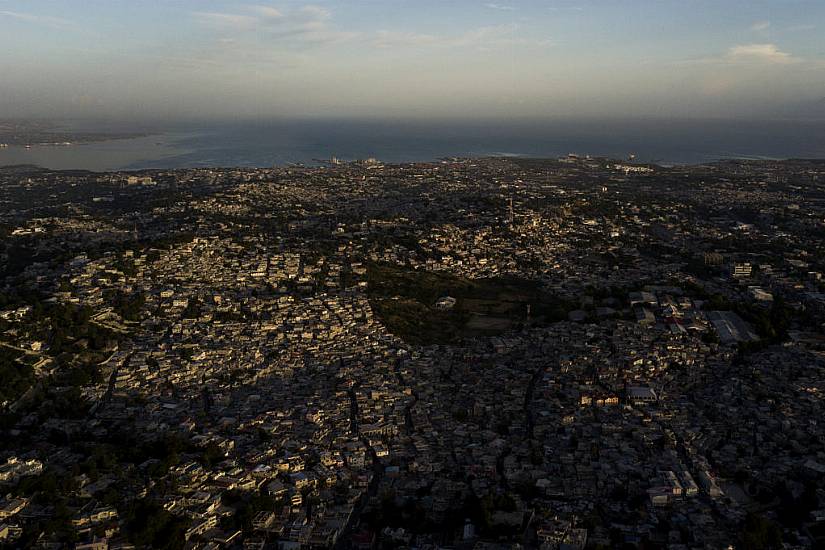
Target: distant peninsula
{"x": 45, "y": 134}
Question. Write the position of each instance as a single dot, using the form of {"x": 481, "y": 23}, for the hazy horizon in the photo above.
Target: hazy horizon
{"x": 208, "y": 60}
{"x": 123, "y": 123}
{"x": 263, "y": 143}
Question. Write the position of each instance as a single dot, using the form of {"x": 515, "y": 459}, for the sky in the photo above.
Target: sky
{"x": 513, "y": 59}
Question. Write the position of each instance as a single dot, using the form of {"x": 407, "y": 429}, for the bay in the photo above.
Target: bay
{"x": 268, "y": 143}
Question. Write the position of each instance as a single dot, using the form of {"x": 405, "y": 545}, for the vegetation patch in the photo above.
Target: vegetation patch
{"x": 406, "y": 302}
{"x": 17, "y": 377}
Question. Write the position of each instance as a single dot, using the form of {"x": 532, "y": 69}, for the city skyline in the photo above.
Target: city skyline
{"x": 235, "y": 60}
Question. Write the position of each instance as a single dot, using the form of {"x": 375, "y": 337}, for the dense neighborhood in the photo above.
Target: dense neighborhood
{"x": 471, "y": 353}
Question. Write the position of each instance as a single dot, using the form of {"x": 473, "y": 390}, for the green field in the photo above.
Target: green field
{"x": 404, "y": 300}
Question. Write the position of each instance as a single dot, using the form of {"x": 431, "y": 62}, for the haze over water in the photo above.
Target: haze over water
{"x": 262, "y": 144}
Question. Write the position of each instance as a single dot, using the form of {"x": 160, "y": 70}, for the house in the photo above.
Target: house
{"x": 640, "y": 395}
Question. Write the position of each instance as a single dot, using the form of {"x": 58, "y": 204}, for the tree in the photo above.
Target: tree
{"x": 148, "y": 524}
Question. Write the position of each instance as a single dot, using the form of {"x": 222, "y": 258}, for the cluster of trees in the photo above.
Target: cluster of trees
{"x": 126, "y": 266}
{"x": 193, "y": 309}
{"x": 62, "y": 326}
{"x": 49, "y": 489}
{"x": 17, "y": 377}
{"x": 404, "y": 299}
{"x": 770, "y": 323}
{"x": 760, "y": 534}
{"x": 408, "y": 513}
{"x": 411, "y": 514}
{"x": 481, "y": 511}
{"x": 247, "y": 506}
{"x": 149, "y": 525}
{"x": 128, "y": 306}
{"x": 70, "y": 336}
{"x": 125, "y": 446}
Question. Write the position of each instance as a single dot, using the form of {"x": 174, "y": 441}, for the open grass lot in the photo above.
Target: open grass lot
{"x": 404, "y": 299}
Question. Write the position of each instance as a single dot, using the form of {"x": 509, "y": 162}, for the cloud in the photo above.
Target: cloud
{"x": 315, "y": 12}
{"x": 489, "y": 36}
{"x": 226, "y": 21}
{"x": 307, "y": 24}
{"x": 482, "y": 38}
{"x": 36, "y": 19}
{"x": 761, "y": 26}
{"x": 761, "y": 53}
{"x": 750, "y": 55}
{"x": 267, "y": 12}
{"x": 501, "y": 7}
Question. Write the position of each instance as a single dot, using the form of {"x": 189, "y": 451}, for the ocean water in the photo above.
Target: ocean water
{"x": 269, "y": 143}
